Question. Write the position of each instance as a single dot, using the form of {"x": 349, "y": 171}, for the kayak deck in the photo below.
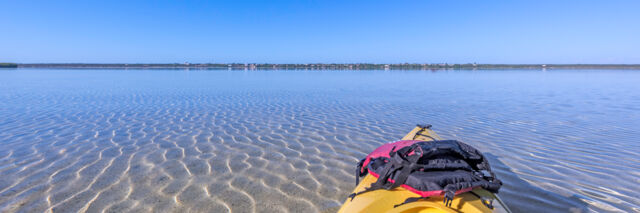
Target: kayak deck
{"x": 385, "y": 200}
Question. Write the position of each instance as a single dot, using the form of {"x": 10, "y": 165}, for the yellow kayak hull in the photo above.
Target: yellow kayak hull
{"x": 385, "y": 200}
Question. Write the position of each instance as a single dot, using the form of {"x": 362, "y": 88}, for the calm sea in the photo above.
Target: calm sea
{"x": 278, "y": 141}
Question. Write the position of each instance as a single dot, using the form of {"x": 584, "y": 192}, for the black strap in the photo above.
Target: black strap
{"x": 380, "y": 183}
{"x": 398, "y": 161}
{"x": 372, "y": 188}
{"x": 448, "y": 196}
{"x": 406, "y": 170}
{"x": 450, "y": 189}
{"x": 423, "y": 128}
{"x": 420, "y": 134}
{"x": 359, "y": 172}
{"x": 410, "y": 200}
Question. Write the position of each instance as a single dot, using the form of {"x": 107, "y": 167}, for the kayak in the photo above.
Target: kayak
{"x": 385, "y": 200}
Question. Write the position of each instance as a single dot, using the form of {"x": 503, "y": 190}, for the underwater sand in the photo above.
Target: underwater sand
{"x": 288, "y": 141}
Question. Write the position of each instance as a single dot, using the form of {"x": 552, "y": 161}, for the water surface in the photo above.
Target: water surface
{"x": 288, "y": 141}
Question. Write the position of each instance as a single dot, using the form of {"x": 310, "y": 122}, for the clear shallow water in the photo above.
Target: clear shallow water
{"x": 278, "y": 141}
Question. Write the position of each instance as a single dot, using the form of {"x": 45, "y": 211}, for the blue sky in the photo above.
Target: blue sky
{"x": 320, "y": 31}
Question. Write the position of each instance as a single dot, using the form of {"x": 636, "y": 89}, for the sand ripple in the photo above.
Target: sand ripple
{"x": 175, "y": 141}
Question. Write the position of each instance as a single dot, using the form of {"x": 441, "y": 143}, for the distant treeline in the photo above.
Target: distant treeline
{"x": 362, "y": 66}
{"x": 8, "y": 65}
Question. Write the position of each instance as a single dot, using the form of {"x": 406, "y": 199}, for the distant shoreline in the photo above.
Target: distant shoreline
{"x": 361, "y": 66}
{"x": 8, "y": 65}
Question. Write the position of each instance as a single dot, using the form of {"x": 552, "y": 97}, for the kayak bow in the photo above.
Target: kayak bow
{"x": 387, "y": 200}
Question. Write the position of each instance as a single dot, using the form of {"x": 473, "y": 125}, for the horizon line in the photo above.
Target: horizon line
{"x": 316, "y": 66}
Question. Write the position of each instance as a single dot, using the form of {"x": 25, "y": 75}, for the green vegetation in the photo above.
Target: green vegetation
{"x": 8, "y": 65}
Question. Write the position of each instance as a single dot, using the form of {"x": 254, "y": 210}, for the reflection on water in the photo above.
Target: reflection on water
{"x": 278, "y": 141}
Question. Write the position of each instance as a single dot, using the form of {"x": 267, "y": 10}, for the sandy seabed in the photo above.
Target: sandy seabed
{"x": 218, "y": 141}
{"x": 216, "y": 160}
